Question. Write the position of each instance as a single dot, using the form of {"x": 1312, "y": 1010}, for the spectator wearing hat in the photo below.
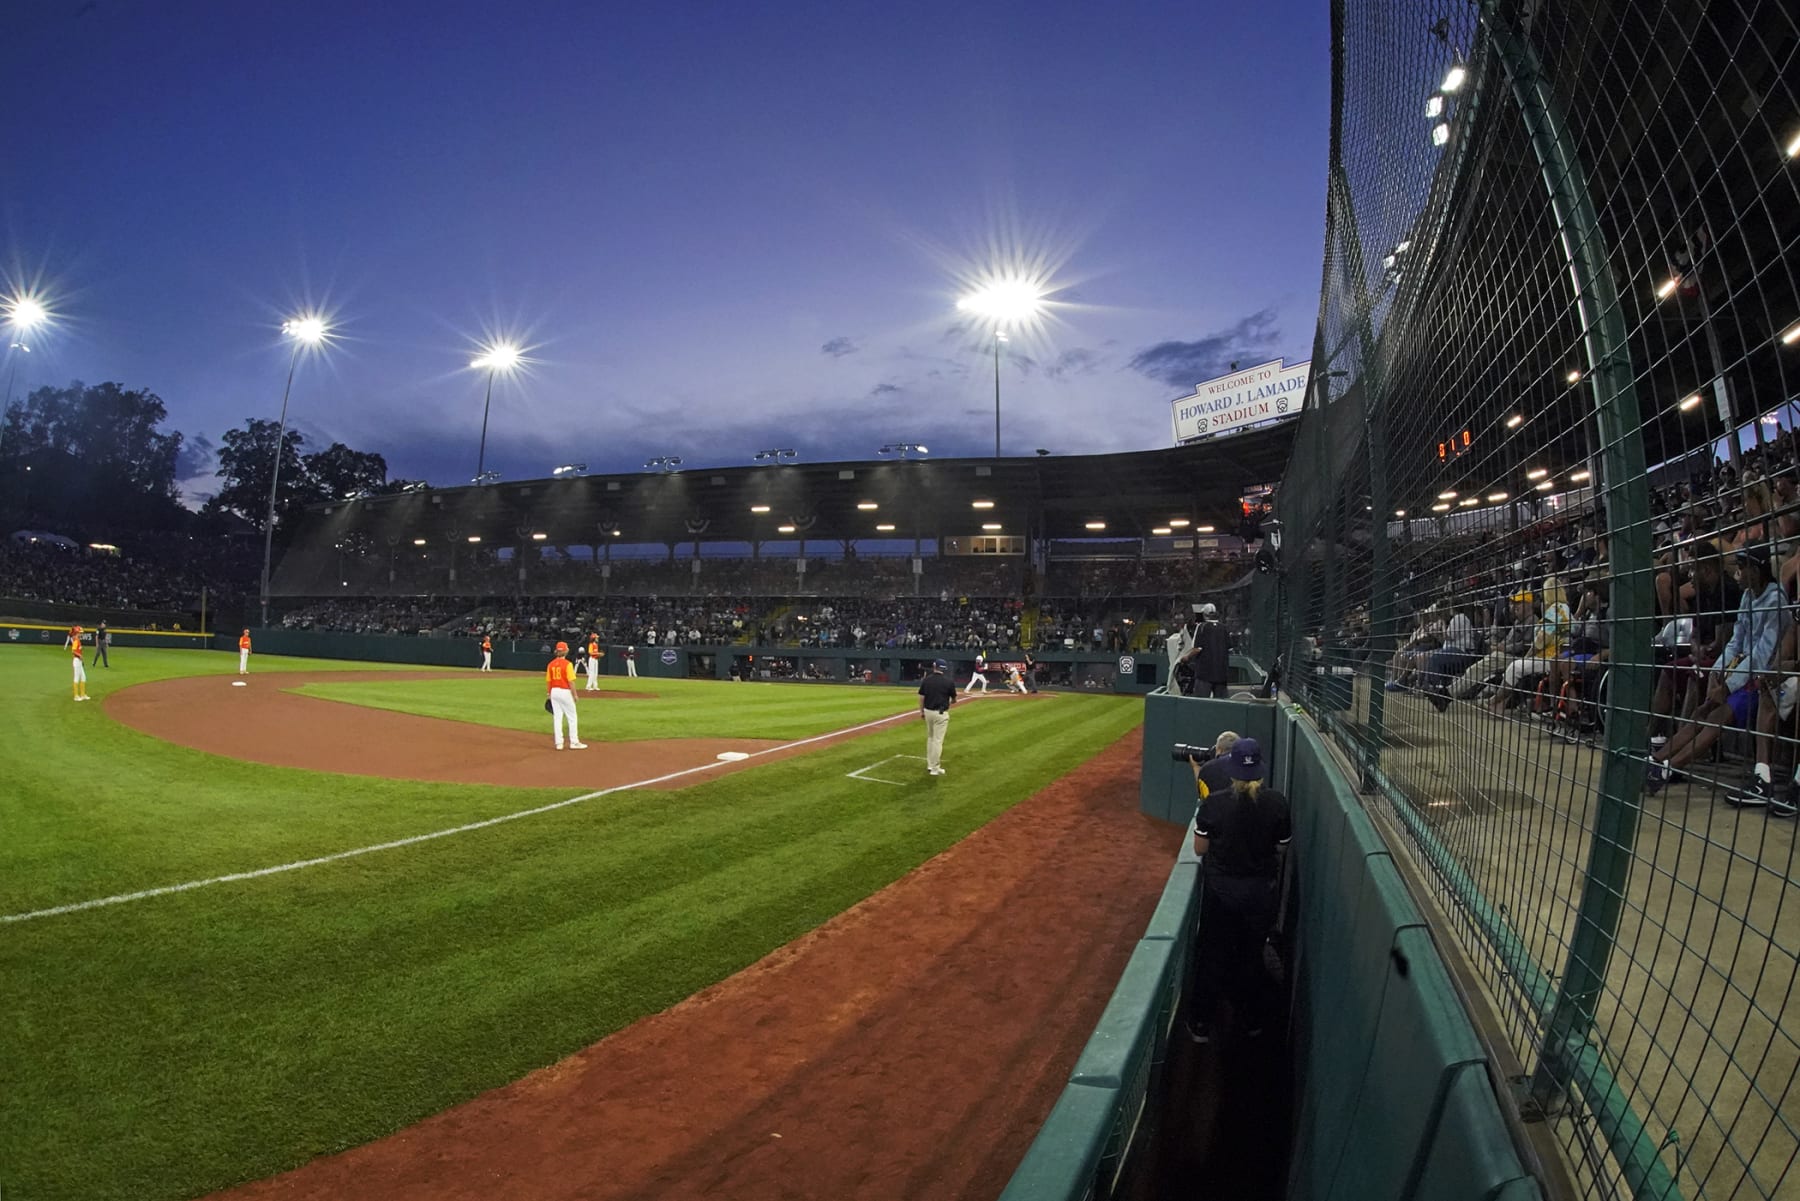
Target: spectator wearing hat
{"x": 937, "y": 692}
{"x": 1507, "y": 642}
{"x": 1747, "y": 666}
{"x": 1239, "y": 833}
{"x": 1547, "y": 639}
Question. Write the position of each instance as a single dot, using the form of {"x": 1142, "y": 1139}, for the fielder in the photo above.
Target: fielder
{"x": 980, "y": 676}
{"x": 559, "y": 680}
{"x": 74, "y": 640}
{"x": 244, "y": 653}
{"x": 487, "y": 653}
{"x": 631, "y": 661}
{"x": 595, "y": 654}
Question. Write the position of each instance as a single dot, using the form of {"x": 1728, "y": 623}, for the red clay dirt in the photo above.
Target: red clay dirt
{"x": 908, "y": 1048}
{"x": 264, "y": 722}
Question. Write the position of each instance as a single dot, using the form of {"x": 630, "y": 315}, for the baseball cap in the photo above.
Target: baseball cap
{"x": 1523, "y": 597}
{"x": 1757, "y": 553}
{"x": 940, "y": 665}
{"x": 562, "y": 647}
{"x": 1245, "y": 759}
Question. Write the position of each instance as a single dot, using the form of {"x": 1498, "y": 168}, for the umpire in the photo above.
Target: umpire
{"x": 1240, "y": 833}
{"x": 102, "y": 640}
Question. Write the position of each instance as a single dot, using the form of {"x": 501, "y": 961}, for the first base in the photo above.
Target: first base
{"x": 239, "y": 684}
{"x": 732, "y": 756}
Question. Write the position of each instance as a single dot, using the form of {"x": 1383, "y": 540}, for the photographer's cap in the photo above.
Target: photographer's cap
{"x": 1245, "y": 758}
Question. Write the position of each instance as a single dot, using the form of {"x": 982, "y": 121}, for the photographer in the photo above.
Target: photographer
{"x": 1240, "y": 832}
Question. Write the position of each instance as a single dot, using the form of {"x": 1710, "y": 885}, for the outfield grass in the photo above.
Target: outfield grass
{"x": 166, "y": 1047}
{"x": 679, "y": 708}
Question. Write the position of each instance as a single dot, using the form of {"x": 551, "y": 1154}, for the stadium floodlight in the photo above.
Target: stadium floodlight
{"x": 1466, "y": 501}
{"x": 1545, "y": 485}
{"x": 1180, "y": 523}
{"x": 777, "y": 455}
{"x": 1162, "y": 531}
{"x": 902, "y": 449}
{"x": 1667, "y": 286}
{"x": 1574, "y": 376}
{"x": 1440, "y": 133}
{"x": 1447, "y": 494}
{"x": 886, "y": 527}
{"x": 486, "y": 478}
{"x": 1537, "y": 473}
{"x": 474, "y": 537}
{"x": 1006, "y": 301}
{"x": 1454, "y": 78}
{"x": 418, "y": 542}
{"x": 663, "y": 463}
{"x": 784, "y": 529}
{"x": 1690, "y": 402}
{"x": 1495, "y": 498}
{"x": 576, "y": 469}
{"x": 305, "y": 331}
{"x": 867, "y": 506}
{"x": 981, "y": 504}
{"x": 1095, "y": 525}
{"x": 495, "y": 358}
{"x": 1203, "y": 529}
{"x": 1434, "y": 107}
{"x": 1580, "y": 477}
{"x": 1443, "y": 506}
{"x": 1793, "y": 147}
{"x": 1791, "y": 336}
{"x": 991, "y": 526}
{"x": 1515, "y": 421}
{"x": 759, "y": 508}
{"x": 25, "y": 312}
{"x": 539, "y": 537}
{"x": 1399, "y": 512}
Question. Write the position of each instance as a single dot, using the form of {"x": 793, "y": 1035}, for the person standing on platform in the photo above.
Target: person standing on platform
{"x": 936, "y": 694}
{"x": 102, "y": 640}
{"x": 244, "y": 653}
{"x": 594, "y": 655}
{"x": 74, "y": 641}
{"x": 559, "y": 680}
{"x": 487, "y": 653}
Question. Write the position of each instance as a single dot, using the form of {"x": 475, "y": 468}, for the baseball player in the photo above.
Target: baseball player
{"x": 980, "y": 676}
{"x": 487, "y": 653}
{"x": 631, "y": 661}
{"x": 74, "y": 641}
{"x": 559, "y": 678}
{"x": 595, "y": 654}
{"x": 1014, "y": 681}
{"x": 936, "y": 694}
{"x": 244, "y": 653}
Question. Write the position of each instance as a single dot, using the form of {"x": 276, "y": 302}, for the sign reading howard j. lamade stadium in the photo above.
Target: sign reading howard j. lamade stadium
{"x": 1260, "y": 395}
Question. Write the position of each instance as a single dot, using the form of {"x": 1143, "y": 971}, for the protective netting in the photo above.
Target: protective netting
{"x": 1551, "y": 447}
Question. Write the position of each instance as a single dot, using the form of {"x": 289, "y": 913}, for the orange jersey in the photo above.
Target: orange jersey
{"x": 486, "y": 645}
{"x": 244, "y": 642}
{"x": 560, "y": 674}
{"x": 75, "y": 642}
{"x": 593, "y": 650}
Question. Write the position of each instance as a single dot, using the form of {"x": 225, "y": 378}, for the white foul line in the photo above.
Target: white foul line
{"x": 295, "y": 866}
{"x": 858, "y": 773}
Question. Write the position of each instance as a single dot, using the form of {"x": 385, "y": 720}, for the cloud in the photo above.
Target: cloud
{"x": 884, "y": 389}
{"x": 837, "y": 348}
{"x": 195, "y": 457}
{"x": 1184, "y": 364}
{"x": 1073, "y": 362}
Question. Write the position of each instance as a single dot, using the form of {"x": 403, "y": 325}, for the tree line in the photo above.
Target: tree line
{"x": 98, "y": 457}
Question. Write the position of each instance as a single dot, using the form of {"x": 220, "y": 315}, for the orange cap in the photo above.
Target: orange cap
{"x": 562, "y": 648}
{"x": 78, "y": 629}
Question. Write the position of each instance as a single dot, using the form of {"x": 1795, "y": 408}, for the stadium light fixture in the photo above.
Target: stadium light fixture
{"x": 474, "y": 537}
{"x": 1574, "y": 377}
{"x": 785, "y": 529}
{"x": 486, "y": 478}
{"x": 1546, "y": 485}
{"x": 1690, "y": 402}
{"x": 1162, "y": 531}
{"x": 568, "y": 469}
{"x": 1447, "y": 494}
{"x": 1434, "y": 107}
{"x": 1791, "y": 336}
{"x": 1399, "y": 512}
{"x": 1094, "y": 525}
{"x": 1495, "y": 498}
{"x": 991, "y": 526}
{"x": 1515, "y": 421}
{"x": 759, "y": 508}
{"x": 777, "y": 455}
{"x": 26, "y": 312}
{"x": 1004, "y": 301}
{"x": 981, "y": 504}
{"x": 1537, "y": 473}
{"x": 1441, "y": 507}
{"x": 885, "y": 527}
{"x": 308, "y": 329}
{"x": 1667, "y": 286}
{"x": 539, "y": 537}
{"x": 418, "y": 542}
{"x": 1454, "y": 79}
{"x": 495, "y": 358}
{"x": 867, "y": 506}
{"x": 664, "y": 463}
{"x": 1793, "y": 147}
{"x": 305, "y": 331}
{"x": 1180, "y": 523}
{"x": 1203, "y": 529}
{"x": 1466, "y": 501}
{"x": 1440, "y": 133}
{"x": 902, "y": 449}
{"x": 1581, "y": 476}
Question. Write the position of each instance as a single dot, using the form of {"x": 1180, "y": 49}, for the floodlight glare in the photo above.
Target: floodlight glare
{"x": 1690, "y": 402}
{"x": 1454, "y": 78}
{"x": 1537, "y": 473}
{"x": 1515, "y": 421}
{"x": 309, "y": 329}
{"x": 24, "y": 312}
{"x": 1004, "y": 301}
{"x": 867, "y": 505}
{"x": 1440, "y": 507}
{"x": 1667, "y": 286}
{"x": 1574, "y": 377}
{"x": 1447, "y": 494}
{"x": 1581, "y": 476}
{"x": 497, "y": 356}
{"x": 1434, "y": 107}
{"x": 1440, "y": 133}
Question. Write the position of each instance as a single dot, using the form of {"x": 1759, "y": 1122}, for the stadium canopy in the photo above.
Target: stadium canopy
{"x": 1039, "y": 497}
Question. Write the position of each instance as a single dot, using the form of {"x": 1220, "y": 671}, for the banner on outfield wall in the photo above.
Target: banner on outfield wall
{"x": 1260, "y": 395}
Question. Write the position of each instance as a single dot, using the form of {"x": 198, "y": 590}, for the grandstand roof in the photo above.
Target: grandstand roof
{"x": 1051, "y": 496}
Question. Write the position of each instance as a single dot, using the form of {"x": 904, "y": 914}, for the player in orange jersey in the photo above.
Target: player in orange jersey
{"x": 559, "y": 679}
{"x": 244, "y": 653}
{"x": 74, "y": 641}
{"x": 595, "y": 654}
{"x": 487, "y": 653}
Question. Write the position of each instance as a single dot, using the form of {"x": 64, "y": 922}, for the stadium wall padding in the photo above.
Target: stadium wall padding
{"x": 1396, "y": 1097}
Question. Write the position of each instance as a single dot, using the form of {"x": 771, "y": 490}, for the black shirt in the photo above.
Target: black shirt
{"x": 1215, "y": 773}
{"x": 938, "y": 690}
{"x": 1714, "y": 606}
{"x": 1243, "y": 832}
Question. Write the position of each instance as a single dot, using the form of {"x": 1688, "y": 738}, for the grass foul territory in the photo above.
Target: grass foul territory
{"x": 168, "y": 1047}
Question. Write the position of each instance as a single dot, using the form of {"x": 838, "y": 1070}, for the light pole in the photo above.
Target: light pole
{"x": 494, "y": 359}
{"x": 304, "y": 332}
{"x": 23, "y": 314}
{"x": 1004, "y": 302}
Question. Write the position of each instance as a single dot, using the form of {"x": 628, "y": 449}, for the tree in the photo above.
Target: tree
{"x": 106, "y": 429}
{"x": 246, "y": 457}
{"x": 339, "y": 473}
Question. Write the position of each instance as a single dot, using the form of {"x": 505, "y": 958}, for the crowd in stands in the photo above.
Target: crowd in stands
{"x": 1142, "y": 577}
{"x": 1517, "y": 624}
{"x": 161, "y": 572}
{"x": 907, "y": 622}
{"x": 371, "y": 615}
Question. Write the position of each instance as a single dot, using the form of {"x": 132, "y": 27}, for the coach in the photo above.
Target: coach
{"x": 936, "y": 694}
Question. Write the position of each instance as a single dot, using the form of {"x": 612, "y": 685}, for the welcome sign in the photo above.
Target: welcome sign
{"x": 1264, "y": 393}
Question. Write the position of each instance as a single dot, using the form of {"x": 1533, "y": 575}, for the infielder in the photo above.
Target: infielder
{"x": 74, "y": 641}
{"x": 980, "y": 676}
{"x": 631, "y": 661}
{"x": 244, "y": 653}
{"x": 487, "y": 653}
{"x": 595, "y": 654}
{"x": 936, "y": 694}
{"x": 559, "y": 679}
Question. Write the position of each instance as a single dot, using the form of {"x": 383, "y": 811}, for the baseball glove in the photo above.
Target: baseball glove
{"x": 547, "y": 706}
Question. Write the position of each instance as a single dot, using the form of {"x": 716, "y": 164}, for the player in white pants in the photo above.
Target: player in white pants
{"x": 487, "y": 653}
{"x": 74, "y": 641}
{"x": 980, "y": 676}
{"x": 559, "y": 678}
{"x": 593, "y": 664}
{"x": 244, "y": 653}
{"x": 1014, "y": 681}
{"x": 631, "y": 661}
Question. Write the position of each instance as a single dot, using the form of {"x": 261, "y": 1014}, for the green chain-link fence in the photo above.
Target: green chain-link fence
{"x": 1551, "y": 446}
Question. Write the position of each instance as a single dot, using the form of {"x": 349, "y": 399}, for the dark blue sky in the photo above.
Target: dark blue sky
{"x": 721, "y": 227}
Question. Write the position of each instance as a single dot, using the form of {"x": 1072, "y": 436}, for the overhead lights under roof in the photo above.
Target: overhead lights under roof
{"x": 1581, "y": 476}
{"x": 885, "y": 527}
{"x": 474, "y": 537}
{"x": 418, "y": 542}
{"x": 1179, "y": 523}
{"x": 759, "y": 508}
{"x": 1441, "y": 506}
{"x": 991, "y": 526}
{"x": 1095, "y": 525}
{"x": 1537, "y": 473}
{"x": 784, "y": 529}
{"x": 867, "y": 505}
{"x": 539, "y": 537}
{"x": 1447, "y": 494}
{"x": 1203, "y": 529}
{"x": 1162, "y": 530}
{"x": 981, "y": 504}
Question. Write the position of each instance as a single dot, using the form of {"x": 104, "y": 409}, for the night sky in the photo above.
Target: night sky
{"x": 719, "y": 227}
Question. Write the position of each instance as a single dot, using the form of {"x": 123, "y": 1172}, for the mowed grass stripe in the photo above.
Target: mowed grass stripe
{"x": 681, "y": 709}
{"x": 188, "y": 1042}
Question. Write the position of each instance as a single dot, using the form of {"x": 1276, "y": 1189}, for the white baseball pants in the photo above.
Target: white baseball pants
{"x": 243, "y": 663}
{"x": 562, "y": 708}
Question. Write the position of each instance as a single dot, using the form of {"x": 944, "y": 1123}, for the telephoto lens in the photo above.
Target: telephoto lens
{"x": 1181, "y": 752}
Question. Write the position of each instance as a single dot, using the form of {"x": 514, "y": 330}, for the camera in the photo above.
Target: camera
{"x": 1181, "y": 752}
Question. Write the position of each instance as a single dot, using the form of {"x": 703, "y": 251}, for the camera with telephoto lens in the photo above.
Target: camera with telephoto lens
{"x": 1181, "y": 752}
